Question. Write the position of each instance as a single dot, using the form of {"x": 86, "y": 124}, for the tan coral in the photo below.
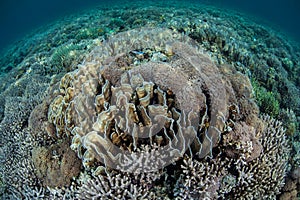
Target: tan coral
{"x": 242, "y": 140}
{"x": 55, "y": 165}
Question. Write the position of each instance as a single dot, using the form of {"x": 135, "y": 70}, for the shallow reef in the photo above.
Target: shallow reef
{"x": 151, "y": 102}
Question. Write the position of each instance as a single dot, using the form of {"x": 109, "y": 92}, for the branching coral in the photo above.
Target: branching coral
{"x": 119, "y": 186}
{"x": 243, "y": 176}
{"x": 262, "y": 177}
{"x": 16, "y": 143}
{"x": 200, "y": 180}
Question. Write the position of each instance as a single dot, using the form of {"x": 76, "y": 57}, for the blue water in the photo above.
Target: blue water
{"x": 20, "y": 17}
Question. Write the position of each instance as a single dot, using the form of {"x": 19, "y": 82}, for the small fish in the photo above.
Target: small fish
{"x": 137, "y": 52}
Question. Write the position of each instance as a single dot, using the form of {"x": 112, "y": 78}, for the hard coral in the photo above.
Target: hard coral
{"x": 253, "y": 50}
{"x": 242, "y": 140}
{"x": 263, "y": 177}
{"x": 55, "y": 165}
{"x": 114, "y": 109}
{"x": 199, "y": 180}
{"x": 119, "y": 186}
{"x": 126, "y": 110}
{"x": 16, "y": 167}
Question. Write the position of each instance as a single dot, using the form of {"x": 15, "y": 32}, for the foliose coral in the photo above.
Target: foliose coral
{"x": 122, "y": 105}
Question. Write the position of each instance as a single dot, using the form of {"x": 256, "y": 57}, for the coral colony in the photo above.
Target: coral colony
{"x": 145, "y": 113}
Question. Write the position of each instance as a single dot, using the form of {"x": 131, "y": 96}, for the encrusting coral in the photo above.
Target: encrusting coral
{"x": 55, "y": 165}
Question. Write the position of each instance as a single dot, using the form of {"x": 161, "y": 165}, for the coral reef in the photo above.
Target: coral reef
{"x": 122, "y": 105}
{"x": 230, "y": 37}
{"x": 66, "y": 58}
{"x": 17, "y": 170}
{"x": 239, "y": 177}
{"x": 266, "y": 100}
{"x": 108, "y": 112}
{"x": 199, "y": 180}
{"x": 150, "y": 113}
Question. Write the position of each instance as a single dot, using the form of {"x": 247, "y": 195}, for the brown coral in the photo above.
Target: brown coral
{"x": 55, "y": 165}
{"x": 242, "y": 140}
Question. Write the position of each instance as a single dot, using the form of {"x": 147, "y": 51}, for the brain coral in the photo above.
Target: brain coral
{"x": 150, "y": 89}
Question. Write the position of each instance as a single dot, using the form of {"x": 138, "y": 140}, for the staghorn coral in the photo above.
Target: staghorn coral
{"x": 22, "y": 96}
{"x": 17, "y": 170}
{"x": 119, "y": 186}
{"x": 240, "y": 177}
{"x": 200, "y": 179}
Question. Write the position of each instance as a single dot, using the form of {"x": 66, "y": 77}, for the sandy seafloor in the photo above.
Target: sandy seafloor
{"x": 35, "y": 165}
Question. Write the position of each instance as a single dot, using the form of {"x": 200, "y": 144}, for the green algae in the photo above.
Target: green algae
{"x": 65, "y": 57}
{"x": 266, "y": 100}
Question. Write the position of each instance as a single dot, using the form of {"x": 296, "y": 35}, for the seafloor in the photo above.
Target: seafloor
{"x": 254, "y": 154}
